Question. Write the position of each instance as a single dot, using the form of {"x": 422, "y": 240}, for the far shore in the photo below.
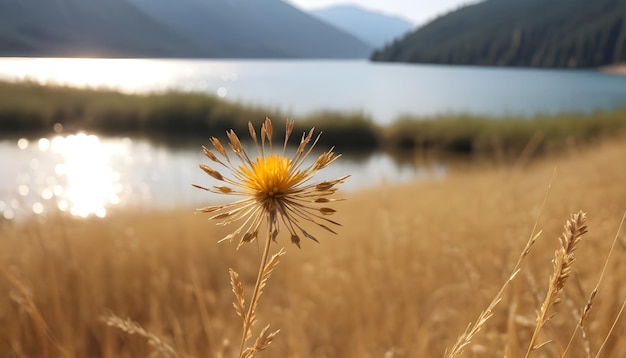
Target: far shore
{"x": 616, "y": 69}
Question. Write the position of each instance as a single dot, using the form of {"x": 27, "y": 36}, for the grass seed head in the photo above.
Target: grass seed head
{"x": 272, "y": 185}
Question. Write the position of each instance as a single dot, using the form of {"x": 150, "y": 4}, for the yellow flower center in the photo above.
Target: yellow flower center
{"x": 269, "y": 177}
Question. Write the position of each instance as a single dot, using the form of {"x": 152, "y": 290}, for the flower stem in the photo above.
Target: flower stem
{"x": 247, "y": 321}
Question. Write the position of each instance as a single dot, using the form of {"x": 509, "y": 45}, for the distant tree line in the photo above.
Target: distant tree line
{"x": 537, "y": 33}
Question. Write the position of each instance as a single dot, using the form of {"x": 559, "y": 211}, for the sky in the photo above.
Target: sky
{"x": 416, "y": 11}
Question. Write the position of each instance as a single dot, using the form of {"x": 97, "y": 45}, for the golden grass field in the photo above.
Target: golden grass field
{"x": 412, "y": 266}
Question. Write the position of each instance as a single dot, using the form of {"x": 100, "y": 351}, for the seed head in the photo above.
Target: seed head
{"x": 273, "y": 186}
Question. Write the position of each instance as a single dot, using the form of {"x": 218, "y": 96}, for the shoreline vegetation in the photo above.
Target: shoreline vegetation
{"x": 30, "y": 109}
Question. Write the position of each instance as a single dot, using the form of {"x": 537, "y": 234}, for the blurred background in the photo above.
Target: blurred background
{"x": 158, "y": 77}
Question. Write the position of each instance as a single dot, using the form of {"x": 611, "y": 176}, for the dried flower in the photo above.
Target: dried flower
{"x": 275, "y": 188}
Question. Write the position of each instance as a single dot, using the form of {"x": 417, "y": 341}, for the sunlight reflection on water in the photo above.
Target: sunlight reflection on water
{"x": 73, "y": 173}
{"x": 85, "y": 175}
{"x": 91, "y": 184}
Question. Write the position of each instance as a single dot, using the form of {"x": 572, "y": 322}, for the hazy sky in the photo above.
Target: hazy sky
{"x": 418, "y": 11}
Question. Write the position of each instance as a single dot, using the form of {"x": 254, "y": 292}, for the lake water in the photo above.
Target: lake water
{"x": 382, "y": 90}
{"x": 87, "y": 175}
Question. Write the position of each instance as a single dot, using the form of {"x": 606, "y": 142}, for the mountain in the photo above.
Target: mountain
{"x": 169, "y": 28}
{"x": 372, "y": 27}
{"x": 105, "y": 28}
{"x": 255, "y": 28}
{"x": 538, "y": 33}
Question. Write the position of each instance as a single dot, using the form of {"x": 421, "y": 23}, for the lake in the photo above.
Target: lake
{"x": 86, "y": 175}
{"x": 381, "y": 90}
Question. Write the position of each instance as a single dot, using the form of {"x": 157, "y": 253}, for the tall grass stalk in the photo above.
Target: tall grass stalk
{"x": 575, "y": 228}
{"x": 465, "y": 338}
{"x": 265, "y": 269}
{"x": 592, "y": 296}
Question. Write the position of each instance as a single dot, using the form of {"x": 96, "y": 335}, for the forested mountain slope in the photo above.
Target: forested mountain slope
{"x": 538, "y": 33}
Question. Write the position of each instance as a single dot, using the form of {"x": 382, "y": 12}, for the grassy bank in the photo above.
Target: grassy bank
{"x": 411, "y": 267}
{"x": 28, "y": 108}
{"x": 505, "y": 136}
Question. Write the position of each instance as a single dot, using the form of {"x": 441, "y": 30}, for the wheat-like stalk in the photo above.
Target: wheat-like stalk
{"x": 248, "y": 316}
{"x": 587, "y": 309}
{"x": 132, "y": 327}
{"x": 23, "y": 297}
{"x": 592, "y": 296}
{"x": 466, "y": 337}
{"x": 574, "y": 229}
{"x": 464, "y": 340}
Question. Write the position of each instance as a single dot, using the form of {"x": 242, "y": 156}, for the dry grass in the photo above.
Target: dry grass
{"x": 412, "y": 266}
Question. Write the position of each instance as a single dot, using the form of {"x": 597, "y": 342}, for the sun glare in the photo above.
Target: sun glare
{"x": 78, "y": 174}
{"x": 90, "y": 184}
